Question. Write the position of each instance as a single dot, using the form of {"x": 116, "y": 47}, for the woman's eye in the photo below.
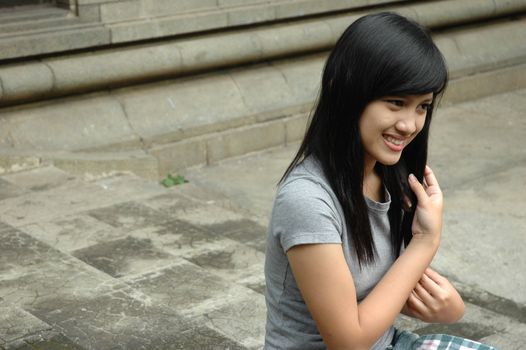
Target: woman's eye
{"x": 398, "y": 103}
{"x": 425, "y": 106}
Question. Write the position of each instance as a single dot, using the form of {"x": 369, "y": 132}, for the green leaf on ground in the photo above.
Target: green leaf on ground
{"x": 171, "y": 180}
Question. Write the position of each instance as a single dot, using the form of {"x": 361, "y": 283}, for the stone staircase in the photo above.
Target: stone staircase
{"x": 158, "y": 107}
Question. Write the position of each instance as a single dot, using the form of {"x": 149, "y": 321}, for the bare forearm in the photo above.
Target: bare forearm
{"x": 379, "y": 309}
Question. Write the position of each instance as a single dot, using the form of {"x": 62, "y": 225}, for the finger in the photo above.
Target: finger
{"x": 418, "y": 189}
{"x": 435, "y": 276}
{"x": 424, "y": 295}
{"x": 429, "y": 285}
{"x": 416, "y": 304}
{"x": 430, "y": 178}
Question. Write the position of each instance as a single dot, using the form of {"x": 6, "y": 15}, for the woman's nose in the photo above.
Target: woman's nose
{"x": 407, "y": 124}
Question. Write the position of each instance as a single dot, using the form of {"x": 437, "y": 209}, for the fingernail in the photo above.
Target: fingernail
{"x": 412, "y": 178}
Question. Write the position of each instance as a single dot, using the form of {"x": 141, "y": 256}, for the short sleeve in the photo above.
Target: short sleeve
{"x": 304, "y": 213}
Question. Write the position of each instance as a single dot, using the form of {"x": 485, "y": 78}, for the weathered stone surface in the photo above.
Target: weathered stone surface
{"x": 178, "y": 237}
{"x": 119, "y": 320}
{"x": 8, "y": 190}
{"x": 39, "y": 179}
{"x": 129, "y": 215}
{"x": 126, "y": 256}
{"x": 245, "y": 140}
{"x": 187, "y": 288}
{"x": 18, "y": 327}
{"x": 70, "y": 198}
{"x": 73, "y": 232}
{"x": 131, "y": 186}
{"x": 180, "y": 155}
{"x": 235, "y": 262}
{"x": 240, "y": 320}
{"x": 245, "y": 231}
{"x": 82, "y": 125}
{"x": 104, "y": 162}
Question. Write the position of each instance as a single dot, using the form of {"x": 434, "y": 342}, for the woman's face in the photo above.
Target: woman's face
{"x": 389, "y": 124}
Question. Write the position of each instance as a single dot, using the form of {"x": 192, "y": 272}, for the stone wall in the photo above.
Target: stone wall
{"x": 68, "y": 25}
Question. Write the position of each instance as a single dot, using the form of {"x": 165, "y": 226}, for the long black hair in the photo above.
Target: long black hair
{"x": 382, "y": 54}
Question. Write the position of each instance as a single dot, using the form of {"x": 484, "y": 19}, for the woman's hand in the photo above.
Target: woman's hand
{"x": 427, "y": 223}
{"x": 434, "y": 300}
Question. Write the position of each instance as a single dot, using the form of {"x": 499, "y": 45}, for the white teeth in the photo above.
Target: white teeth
{"x": 394, "y": 141}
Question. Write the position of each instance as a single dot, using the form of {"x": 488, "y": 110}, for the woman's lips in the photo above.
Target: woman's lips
{"x": 395, "y": 144}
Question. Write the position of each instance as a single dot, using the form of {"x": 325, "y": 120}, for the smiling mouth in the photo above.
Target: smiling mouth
{"x": 395, "y": 144}
{"x": 393, "y": 140}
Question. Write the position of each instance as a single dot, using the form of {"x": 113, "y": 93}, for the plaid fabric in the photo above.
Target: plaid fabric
{"x": 448, "y": 342}
{"x": 410, "y": 341}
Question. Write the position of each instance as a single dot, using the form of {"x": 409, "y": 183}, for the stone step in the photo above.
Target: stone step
{"x": 29, "y": 13}
{"x": 162, "y": 128}
{"x": 43, "y": 25}
{"x": 171, "y": 58}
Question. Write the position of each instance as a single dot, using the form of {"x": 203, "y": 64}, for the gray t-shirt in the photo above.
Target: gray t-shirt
{"x": 306, "y": 211}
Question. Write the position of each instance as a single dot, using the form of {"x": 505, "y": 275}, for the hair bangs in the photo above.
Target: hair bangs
{"x": 420, "y": 75}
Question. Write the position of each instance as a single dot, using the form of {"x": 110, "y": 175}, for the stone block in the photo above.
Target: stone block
{"x": 89, "y": 12}
{"x": 505, "y": 44}
{"x": 252, "y": 83}
{"x": 73, "y": 197}
{"x": 303, "y": 76}
{"x": 228, "y": 50}
{"x": 39, "y": 179}
{"x": 250, "y": 15}
{"x": 187, "y": 288}
{"x": 172, "y": 203}
{"x": 509, "y": 7}
{"x": 437, "y": 14}
{"x": 128, "y": 215}
{"x": 178, "y": 237}
{"x": 12, "y": 161}
{"x": 121, "y": 11}
{"x": 295, "y": 38}
{"x": 8, "y": 190}
{"x": 102, "y": 164}
{"x": 180, "y": 155}
{"x": 90, "y": 2}
{"x": 295, "y": 128}
{"x": 58, "y": 41}
{"x": 18, "y": 327}
{"x": 235, "y": 263}
{"x": 170, "y": 7}
{"x": 34, "y": 273}
{"x": 124, "y": 65}
{"x": 73, "y": 232}
{"x": 175, "y": 110}
{"x": 244, "y": 140}
{"x": 80, "y": 123}
{"x": 124, "y": 256}
{"x": 486, "y": 84}
{"x": 166, "y": 26}
{"x": 246, "y": 231}
{"x": 22, "y": 81}
{"x": 127, "y": 319}
{"x": 242, "y": 320}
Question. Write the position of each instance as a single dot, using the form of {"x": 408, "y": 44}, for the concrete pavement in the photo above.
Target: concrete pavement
{"x": 120, "y": 262}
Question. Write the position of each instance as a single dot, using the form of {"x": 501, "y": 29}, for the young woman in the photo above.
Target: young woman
{"x": 358, "y": 214}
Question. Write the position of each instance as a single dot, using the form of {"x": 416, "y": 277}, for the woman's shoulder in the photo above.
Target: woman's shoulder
{"x": 306, "y": 185}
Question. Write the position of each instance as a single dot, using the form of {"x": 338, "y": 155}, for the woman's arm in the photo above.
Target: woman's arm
{"x": 327, "y": 286}
{"x": 434, "y": 300}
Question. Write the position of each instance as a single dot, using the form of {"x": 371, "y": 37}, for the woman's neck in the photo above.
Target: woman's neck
{"x": 372, "y": 183}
